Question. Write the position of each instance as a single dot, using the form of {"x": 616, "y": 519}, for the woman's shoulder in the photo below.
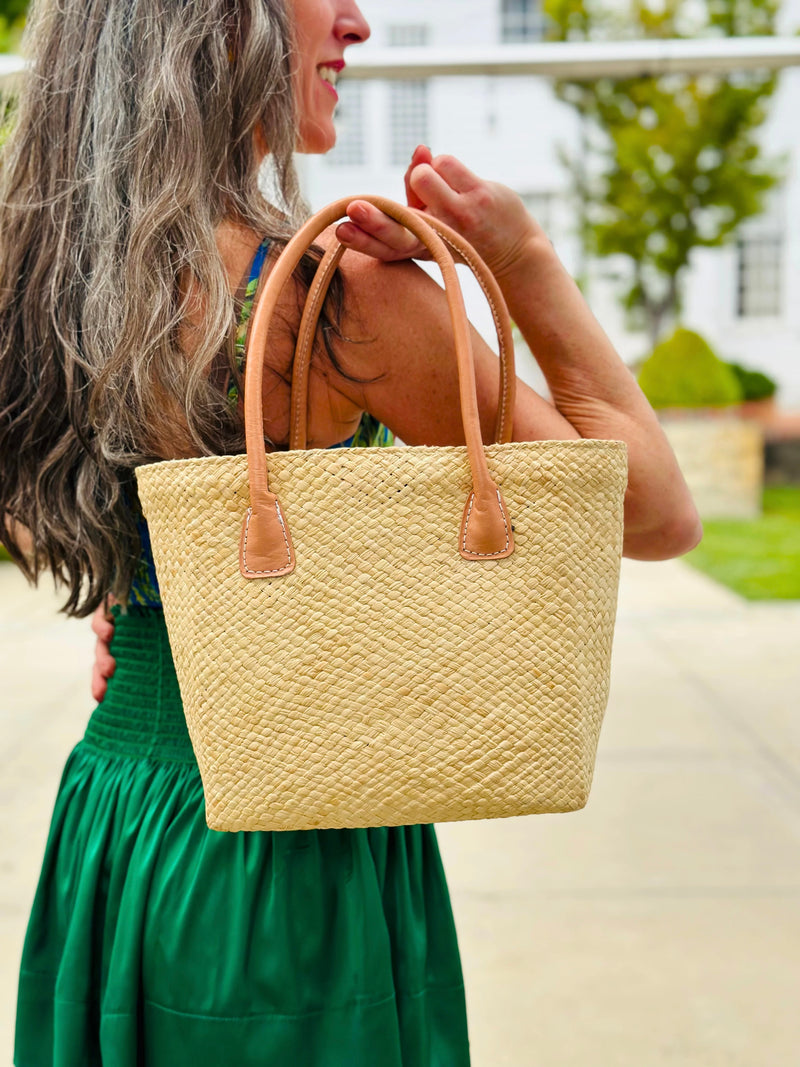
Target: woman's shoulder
{"x": 385, "y": 292}
{"x": 397, "y": 351}
{"x": 393, "y": 348}
{"x": 379, "y": 301}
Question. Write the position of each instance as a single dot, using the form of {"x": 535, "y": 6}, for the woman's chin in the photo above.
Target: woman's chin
{"x": 317, "y": 140}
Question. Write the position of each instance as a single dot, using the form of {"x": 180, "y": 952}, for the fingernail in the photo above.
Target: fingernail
{"x": 358, "y": 214}
{"x": 345, "y": 233}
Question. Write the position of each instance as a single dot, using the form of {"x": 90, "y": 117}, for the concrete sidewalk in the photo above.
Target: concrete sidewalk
{"x": 659, "y": 927}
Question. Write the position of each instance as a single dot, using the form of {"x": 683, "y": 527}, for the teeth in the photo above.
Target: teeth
{"x": 329, "y": 74}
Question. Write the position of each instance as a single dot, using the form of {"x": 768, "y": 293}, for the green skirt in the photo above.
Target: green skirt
{"x": 155, "y": 941}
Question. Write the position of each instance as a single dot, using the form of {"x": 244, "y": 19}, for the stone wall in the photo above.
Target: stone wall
{"x": 722, "y": 459}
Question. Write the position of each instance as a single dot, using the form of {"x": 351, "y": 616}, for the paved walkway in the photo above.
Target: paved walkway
{"x": 658, "y": 928}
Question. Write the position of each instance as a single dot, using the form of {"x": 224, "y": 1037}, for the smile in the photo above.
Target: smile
{"x": 329, "y": 75}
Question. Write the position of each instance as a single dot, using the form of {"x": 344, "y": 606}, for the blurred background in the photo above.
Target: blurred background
{"x": 660, "y": 926}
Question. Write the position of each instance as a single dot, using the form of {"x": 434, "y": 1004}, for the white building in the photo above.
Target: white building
{"x": 744, "y": 298}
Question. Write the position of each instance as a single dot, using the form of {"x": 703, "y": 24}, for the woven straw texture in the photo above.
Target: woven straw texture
{"x": 389, "y": 681}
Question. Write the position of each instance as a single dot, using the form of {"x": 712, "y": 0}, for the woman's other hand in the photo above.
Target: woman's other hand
{"x": 489, "y": 215}
{"x": 104, "y": 662}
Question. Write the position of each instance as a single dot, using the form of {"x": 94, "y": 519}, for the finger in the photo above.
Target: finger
{"x": 104, "y": 661}
{"x": 356, "y": 239}
{"x": 439, "y": 197}
{"x": 457, "y": 176}
{"x": 99, "y": 685}
{"x": 421, "y": 154}
{"x": 102, "y": 616}
{"x": 377, "y": 224}
{"x": 102, "y": 627}
{"x": 370, "y": 225}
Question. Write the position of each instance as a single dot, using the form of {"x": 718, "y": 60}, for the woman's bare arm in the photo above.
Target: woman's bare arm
{"x": 594, "y": 393}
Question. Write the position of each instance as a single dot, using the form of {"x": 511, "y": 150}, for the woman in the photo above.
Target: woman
{"x": 132, "y": 238}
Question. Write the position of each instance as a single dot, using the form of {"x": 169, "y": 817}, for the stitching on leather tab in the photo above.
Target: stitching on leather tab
{"x": 285, "y": 538}
{"x": 466, "y": 525}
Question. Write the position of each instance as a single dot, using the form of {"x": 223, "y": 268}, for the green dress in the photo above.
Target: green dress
{"x": 156, "y": 942}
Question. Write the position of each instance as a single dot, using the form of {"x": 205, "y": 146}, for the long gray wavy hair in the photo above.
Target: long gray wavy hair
{"x": 134, "y": 138}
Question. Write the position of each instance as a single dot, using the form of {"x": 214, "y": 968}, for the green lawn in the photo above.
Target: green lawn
{"x": 760, "y": 558}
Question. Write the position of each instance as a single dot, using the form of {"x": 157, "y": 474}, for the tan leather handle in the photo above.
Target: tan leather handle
{"x": 266, "y": 547}
{"x": 323, "y": 276}
{"x": 504, "y": 422}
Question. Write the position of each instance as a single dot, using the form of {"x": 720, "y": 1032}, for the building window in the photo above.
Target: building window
{"x": 408, "y": 35}
{"x": 521, "y": 20}
{"x": 758, "y": 290}
{"x": 408, "y": 119}
{"x": 408, "y": 100}
{"x": 350, "y": 150}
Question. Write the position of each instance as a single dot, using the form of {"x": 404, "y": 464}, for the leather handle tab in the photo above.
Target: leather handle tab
{"x": 265, "y": 549}
{"x": 504, "y": 422}
{"x": 265, "y": 545}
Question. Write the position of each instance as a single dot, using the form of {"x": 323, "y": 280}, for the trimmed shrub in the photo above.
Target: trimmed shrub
{"x": 683, "y": 372}
{"x": 755, "y": 384}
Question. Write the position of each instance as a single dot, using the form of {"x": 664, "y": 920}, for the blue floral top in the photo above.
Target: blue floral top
{"x": 370, "y": 434}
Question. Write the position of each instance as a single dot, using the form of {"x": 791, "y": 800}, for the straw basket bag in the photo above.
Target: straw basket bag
{"x": 369, "y": 637}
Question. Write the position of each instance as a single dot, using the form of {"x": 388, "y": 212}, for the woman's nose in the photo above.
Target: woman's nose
{"x": 351, "y": 26}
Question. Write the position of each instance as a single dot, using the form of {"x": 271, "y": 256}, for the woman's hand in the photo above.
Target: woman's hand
{"x": 104, "y": 663}
{"x": 489, "y": 215}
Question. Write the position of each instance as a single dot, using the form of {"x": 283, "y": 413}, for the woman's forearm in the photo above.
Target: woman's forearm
{"x": 588, "y": 380}
{"x": 594, "y": 390}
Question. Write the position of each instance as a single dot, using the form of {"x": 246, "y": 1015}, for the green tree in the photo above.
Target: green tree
{"x": 667, "y": 164}
{"x": 12, "y": 22}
